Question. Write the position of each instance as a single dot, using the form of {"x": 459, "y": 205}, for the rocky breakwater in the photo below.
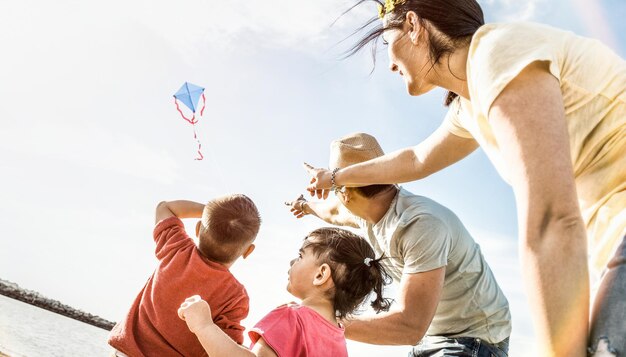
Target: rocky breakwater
{"x": 14, "y": 291}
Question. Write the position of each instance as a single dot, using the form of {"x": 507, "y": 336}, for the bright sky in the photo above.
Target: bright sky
{"x": 90, "y": 140}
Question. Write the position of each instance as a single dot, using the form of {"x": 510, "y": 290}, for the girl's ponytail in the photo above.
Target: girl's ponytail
{"x": 355, "y": 271}
{"x": 380, "y": 278}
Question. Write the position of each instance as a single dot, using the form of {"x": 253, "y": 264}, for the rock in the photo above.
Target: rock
{"x": 14, "y": 291}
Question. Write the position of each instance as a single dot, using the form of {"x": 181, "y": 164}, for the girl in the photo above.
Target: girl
{"x": 333, "y": 274}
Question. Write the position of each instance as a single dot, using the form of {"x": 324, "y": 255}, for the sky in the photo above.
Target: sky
{"x": 90, "y": 140}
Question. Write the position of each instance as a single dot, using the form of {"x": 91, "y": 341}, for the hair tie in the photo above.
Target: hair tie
{"x": 367, "y": 261}
{"x": 389, "y": 6}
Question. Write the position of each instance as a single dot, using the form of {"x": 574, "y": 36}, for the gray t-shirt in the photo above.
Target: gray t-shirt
{"x": 419, "y": 235}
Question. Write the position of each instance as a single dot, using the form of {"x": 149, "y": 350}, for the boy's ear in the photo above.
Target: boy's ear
{"x": 248, "y": 251}
{"x": 323, "y": 275}
{"x": 198, "y": 225}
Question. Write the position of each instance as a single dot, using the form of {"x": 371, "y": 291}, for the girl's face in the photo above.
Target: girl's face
{"x": 302, "y": 273}
{"x": 409, "y": 57}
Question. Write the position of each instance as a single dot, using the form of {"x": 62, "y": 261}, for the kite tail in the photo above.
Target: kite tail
{"x": 203, "y": 104}
{"x": 195, "y": 136}
{"x": 191, "y": 120}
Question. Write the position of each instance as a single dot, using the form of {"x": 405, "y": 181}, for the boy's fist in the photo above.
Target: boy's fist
{"x": 196, "y": 313}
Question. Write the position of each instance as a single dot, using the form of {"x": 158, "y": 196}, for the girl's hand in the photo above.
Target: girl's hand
{"x": 196, "y": 313}
{"x": 297, "y": 207}
{"x": 320, "y": 181}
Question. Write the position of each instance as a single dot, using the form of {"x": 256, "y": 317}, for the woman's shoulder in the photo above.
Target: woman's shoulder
{"x": 500, "y": 51}
{"x": 499, "y": 41}
{"x": 508, "y": 31}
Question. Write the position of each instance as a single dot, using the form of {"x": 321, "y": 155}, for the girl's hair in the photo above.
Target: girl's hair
{"x": 348, "y": 256}
{"x": 457, "y": 20}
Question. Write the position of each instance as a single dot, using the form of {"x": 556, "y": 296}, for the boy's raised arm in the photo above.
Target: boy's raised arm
{"x": 180, "y": 209}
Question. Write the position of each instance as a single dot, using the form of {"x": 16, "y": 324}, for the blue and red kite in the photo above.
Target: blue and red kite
{"x": 190, "y": 94}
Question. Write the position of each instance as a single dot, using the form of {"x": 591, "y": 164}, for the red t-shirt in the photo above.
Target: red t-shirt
{"x": 298, "y": 331}
{"x": 152, "y": 326}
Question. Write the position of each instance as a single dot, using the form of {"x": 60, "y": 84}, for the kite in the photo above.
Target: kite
{"x": 190, "y": 94}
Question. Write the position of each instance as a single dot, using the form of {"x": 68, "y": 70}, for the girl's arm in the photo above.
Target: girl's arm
{"x": 529, "y": 123}
{"x": 197, "y": 314}
{"x": 217, "y": 343}
{"x": 439, "y": 150}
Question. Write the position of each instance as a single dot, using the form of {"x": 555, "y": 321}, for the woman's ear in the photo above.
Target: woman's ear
{"x": 323, "y": 275}
{"x": 413, "y": 26}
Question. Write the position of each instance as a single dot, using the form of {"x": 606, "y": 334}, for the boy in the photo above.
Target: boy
{"x": 226, "y": 232}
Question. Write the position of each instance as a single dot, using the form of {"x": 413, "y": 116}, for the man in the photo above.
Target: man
{"x": 449, "y": 302}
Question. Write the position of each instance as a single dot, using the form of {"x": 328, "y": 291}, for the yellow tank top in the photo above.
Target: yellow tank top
{"x": 593, "y": 82}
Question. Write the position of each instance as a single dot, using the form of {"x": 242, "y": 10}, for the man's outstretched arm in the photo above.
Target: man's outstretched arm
{"x": 407, "y": 323}
{"x": 330, "y": 211}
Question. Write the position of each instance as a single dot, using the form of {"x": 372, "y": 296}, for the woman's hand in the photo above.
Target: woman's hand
{"x": 196, "y": 313}
{"x": 320, "y": 184}
{"x": 297, "y": 206}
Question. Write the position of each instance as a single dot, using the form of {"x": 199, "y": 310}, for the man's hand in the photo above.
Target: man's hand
{"x": 297, "y": 207}
{"x": 196, "y": 313}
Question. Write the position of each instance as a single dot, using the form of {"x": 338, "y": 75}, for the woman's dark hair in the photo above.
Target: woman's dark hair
{"x": 458, "y": 20}
{"x": 354, "y": 269}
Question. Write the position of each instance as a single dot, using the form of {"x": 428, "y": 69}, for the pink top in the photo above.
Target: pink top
{"x": 298, "y": 331}
{"x": 152, "y": 326}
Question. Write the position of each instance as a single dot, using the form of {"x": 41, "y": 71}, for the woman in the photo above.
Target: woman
{"x": 549, "y": 109}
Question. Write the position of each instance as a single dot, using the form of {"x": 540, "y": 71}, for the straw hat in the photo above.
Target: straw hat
{"x": 352, "y": 149}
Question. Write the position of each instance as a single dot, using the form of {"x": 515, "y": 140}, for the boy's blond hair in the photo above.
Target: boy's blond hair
{"x": 229, "y": 225}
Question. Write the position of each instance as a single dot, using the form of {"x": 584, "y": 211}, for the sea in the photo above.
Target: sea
{"x": 29, "y": 331}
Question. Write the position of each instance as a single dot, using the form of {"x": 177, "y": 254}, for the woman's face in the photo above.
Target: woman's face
{"x": 409, "y": 57}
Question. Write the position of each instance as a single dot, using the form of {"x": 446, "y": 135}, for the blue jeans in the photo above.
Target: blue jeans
{"x": 439, "y": 346}
{"x": 608, "y": 316}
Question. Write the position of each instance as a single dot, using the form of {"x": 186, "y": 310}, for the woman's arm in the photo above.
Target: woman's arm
{"x": 528, "y": 121}
{"x": 439, "y": 150}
